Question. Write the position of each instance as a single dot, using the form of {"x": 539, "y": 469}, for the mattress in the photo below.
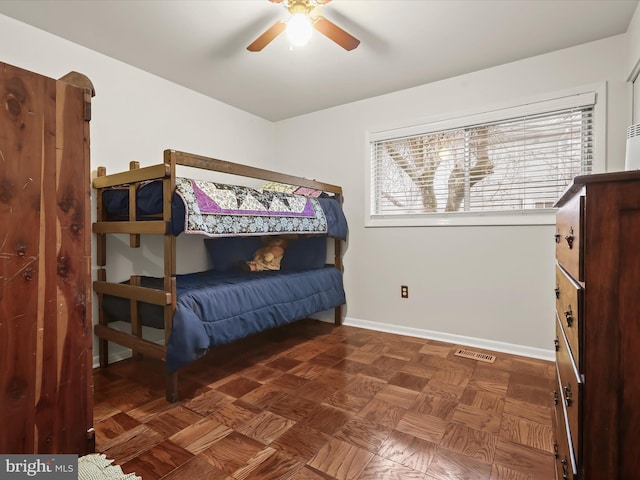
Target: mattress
{"x": 214, "y": 308}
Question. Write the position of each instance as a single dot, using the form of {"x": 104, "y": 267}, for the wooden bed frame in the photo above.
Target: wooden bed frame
{"x": 166, "y": 297}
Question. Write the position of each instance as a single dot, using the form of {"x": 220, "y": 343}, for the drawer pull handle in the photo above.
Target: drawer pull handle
{"x": 568, "y": 398}
{"x": 565, "y": 469}
{"x": 555, "y": 397}
{"x": 557, "y": 292}
{"x": 555, "y": 450}
{"x": 556, "y": 343}
{"x": 569, "y": 238}
{"x": 569, "y": 317}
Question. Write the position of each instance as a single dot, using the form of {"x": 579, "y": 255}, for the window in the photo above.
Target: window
{"x": 510, "y": 161}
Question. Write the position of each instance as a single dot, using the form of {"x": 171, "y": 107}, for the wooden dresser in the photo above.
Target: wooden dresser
{"x": 597, "y": 396}
{"x": 46, "y": 389}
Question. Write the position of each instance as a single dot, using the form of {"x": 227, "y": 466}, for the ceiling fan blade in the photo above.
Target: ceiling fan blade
{"x": 267, "y": 37}
{"x": 335, "y": 33}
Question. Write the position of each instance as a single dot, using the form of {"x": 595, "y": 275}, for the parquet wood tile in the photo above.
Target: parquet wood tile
{"x": 158, "y": 461}
{"x": 109, "y": 429}
{"x": 469, "y": 441}
{"x": 382, "y": 413}
{"x": 198, "y": 436}
{"x": 524, "y": 459}
{"x": 423, "y": 426}
{"x": 265, "y": 427}
{"x": 238, "y": 386}
{"x": 346, "y": 401}
{"x": 317, "y": 390}
{"x": 449, "y": 465}
{"x": 363, "y": 433}
{"x": 195, "y": 468}
{"x": 407, "y": 450}
{"x": 437, "y": 349}
{"x": 326, "y": 419}
{"x": 434, "y": 406}
{"x": 483, "y": 400}
{"x": 408, "y": 381}
{"x": 380, "y": 467}
{"x": 133, "y": 443}
{"x": 234, "y": 416}
{"x": 277, "y": 466}
{"x": 173, "y": 421}
{"x": 500, "y": 472}
{"x": 293, "y": 407}
{"x": 232, "y": 452}
{"x": 341, "y": 460}
{"x": 529, "y": 411}
{"x": 308, "y": 473}
{"x": 208, "y": 402}
{"x": 445, "y": 390}
{"x": 398, "y": 396}
{"x": 482, "y": 420}
{"x": 301, "y": 442}
{"x": 525, "y": 432}
{"x": 262, "y": 397}
{"x": 313, "y": 401}
{"x": 490, "y": 379}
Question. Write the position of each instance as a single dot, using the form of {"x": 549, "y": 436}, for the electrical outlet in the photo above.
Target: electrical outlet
{"x": 404, "y": 291}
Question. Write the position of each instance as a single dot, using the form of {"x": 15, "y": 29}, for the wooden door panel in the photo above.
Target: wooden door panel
{"x": 45, "y": 276}
{"x": 21, "y": 262}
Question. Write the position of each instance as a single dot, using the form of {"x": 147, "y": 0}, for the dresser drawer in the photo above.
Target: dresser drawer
{"x": 565, "y": 461}
{"x": 569, "y": 309}
{"x": 570, "y": 386}
{"x": 569, "y": 225}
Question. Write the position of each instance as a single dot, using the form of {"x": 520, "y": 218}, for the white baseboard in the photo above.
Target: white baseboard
{"x": 121, "y": 353}
{"x": 510, "y": 348}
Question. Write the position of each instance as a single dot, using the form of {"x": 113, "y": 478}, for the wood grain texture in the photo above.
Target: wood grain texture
{"x": 45, "y": 273}
{"x": 248, "y": 423}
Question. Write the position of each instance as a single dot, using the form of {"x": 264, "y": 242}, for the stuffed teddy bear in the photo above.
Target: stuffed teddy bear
{"x": 269, "y": 256}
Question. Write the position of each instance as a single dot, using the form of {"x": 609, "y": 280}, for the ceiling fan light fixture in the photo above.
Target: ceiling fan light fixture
{"x": 299, "y": 29}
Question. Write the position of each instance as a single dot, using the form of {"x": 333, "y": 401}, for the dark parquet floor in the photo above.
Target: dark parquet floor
{"x": 313, "y": 401}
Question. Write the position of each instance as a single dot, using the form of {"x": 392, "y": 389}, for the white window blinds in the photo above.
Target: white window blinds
{"x": 513, "y": 164}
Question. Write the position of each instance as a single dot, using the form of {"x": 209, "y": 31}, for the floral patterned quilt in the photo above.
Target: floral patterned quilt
{"x": 217, "y": 209}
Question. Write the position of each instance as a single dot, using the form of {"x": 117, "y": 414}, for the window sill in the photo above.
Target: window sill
{"x": 546, "y": 217}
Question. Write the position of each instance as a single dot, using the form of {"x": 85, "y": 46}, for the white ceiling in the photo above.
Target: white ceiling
{"x": 202, "y": 44}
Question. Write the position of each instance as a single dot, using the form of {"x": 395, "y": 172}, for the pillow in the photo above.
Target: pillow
{"x": 291, "y": 189}
{"x": 308, "y": 192}
{"x": 279, "y": 187}
{"x": 229, "y": 253}
{"x": 304, "y": 253}
{"x": 269, "y": 256}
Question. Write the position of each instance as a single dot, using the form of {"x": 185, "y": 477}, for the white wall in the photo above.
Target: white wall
{"x": 633, "y": 61}
{"x": 493, "y": 284}
{"x": 633, "y": 46}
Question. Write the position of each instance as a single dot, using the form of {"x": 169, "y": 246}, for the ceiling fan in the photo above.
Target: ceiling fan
{"x": 304, "y": 17}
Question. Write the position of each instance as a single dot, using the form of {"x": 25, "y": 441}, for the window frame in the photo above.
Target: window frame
{"x": 539, "y": 104}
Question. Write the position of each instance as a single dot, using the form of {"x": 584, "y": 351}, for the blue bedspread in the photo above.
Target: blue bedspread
{"x": 215, "y": 308}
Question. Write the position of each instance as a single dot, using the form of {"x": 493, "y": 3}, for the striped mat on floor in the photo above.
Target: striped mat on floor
{"x": 96, "y": 466}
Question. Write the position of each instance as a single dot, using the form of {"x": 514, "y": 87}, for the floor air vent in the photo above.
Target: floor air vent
{"x": 483, "y": 357}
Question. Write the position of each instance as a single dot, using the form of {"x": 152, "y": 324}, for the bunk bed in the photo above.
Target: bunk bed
{"x": 201, "y": 310}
